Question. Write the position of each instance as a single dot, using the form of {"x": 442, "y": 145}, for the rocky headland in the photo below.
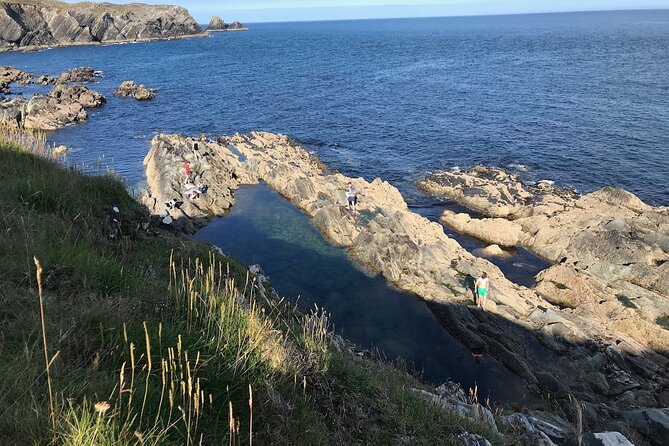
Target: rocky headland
{"x": 217, "y": 24}
{"x": 607, "y": 355}
{"x": 34, "y": 24}
{"x": 139, "y": 92}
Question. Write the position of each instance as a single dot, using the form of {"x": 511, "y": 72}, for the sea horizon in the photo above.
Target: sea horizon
{"x": 584, "y": 11}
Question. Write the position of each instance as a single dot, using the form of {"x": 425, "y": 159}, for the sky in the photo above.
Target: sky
{"x": 249, "y": 11}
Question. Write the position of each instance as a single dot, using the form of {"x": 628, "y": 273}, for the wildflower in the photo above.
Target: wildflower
{"x": 102, "y": 407}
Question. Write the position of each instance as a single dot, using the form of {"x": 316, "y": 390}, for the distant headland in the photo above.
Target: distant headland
{"x": 38, "y": 24}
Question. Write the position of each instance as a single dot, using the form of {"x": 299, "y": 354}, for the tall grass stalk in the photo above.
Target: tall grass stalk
{"x": 47, "y": 361}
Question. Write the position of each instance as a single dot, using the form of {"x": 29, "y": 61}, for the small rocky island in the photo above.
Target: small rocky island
{"x": 31, "y": 24}
{"x": 139, "y": 92}
{"x": 217, "y": 24}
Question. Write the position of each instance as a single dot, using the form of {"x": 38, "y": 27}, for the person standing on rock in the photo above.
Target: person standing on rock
{"x": 187, "y": 170}
{"x": 481, "y": 287}
{"x": 351, "y": 197}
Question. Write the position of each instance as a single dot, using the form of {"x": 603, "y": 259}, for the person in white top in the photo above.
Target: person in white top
{"x": 351, "y": 197}
{"x": 482, "y": 285}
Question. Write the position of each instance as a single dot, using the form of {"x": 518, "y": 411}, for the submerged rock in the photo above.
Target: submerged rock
{"x": 138, "y": 92}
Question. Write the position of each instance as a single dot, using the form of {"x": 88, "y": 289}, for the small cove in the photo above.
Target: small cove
{"x": 263, "y": 228}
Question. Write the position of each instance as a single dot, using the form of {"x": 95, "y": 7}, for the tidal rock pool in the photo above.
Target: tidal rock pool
{"x": 265, "y": 229}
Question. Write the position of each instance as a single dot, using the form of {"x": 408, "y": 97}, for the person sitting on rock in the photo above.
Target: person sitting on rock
{"x": 351, "y": 197}
{"x": 481, "y": 287}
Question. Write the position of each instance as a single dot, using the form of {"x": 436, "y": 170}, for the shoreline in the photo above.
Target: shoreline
{"x": 37, "y": 48}
{"x": 227, "y": 30}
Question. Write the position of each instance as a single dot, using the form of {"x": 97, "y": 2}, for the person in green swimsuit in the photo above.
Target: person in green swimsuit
{"x": 482, "y": 286}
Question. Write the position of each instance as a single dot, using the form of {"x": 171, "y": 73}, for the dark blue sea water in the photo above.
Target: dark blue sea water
{"x": 582, "y": 98}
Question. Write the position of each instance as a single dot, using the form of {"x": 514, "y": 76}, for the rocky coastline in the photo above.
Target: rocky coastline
{"x": 601, "y": 353}
{"x": 65, "y": 104}
{"x": 37, "y": 24}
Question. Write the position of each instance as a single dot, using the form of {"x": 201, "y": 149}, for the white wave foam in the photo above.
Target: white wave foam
{"x": 519, "y": 166}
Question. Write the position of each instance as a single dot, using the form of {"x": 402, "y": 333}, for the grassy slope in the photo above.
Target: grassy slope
{"x": 125, "y": 327}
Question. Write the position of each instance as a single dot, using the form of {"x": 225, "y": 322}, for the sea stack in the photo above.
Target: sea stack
{"x": 218, "y": 24}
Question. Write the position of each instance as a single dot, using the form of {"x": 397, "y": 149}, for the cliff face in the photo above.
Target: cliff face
{"x": 25, "y": 23}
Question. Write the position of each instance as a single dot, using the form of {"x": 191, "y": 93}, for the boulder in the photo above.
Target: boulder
{"x": 496, "y": 231}
{"x": 492, "y": 251}
{"x": 138, "y": 92}
{"x": 653, "y": 424}
{"x": 468, "y": 439}
{"x": 606, "y": 439}
{"x": 60, "y": 150}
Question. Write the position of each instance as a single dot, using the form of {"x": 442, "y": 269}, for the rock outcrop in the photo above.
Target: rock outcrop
{"x": 78, "y": 75}
{"x": 10, "y": 75}
{"x": 557, "y": 350}
{"x": 45, "y": 23}
{"x": 137, "y": 91}
{"x": 217, "y": 24}
{"x": 610, "y": 249}
{"x": 62, "y": 106}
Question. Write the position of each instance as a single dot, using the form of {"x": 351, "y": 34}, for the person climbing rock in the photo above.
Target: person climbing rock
{"x": 481, "y": 286}
{"x": 351, "y": 197}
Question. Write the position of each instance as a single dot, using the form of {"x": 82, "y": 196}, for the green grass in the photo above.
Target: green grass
{"x": 177, "y": 340}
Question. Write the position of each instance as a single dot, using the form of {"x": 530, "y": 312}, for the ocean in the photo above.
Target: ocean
{"x": 581, "y": 99}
